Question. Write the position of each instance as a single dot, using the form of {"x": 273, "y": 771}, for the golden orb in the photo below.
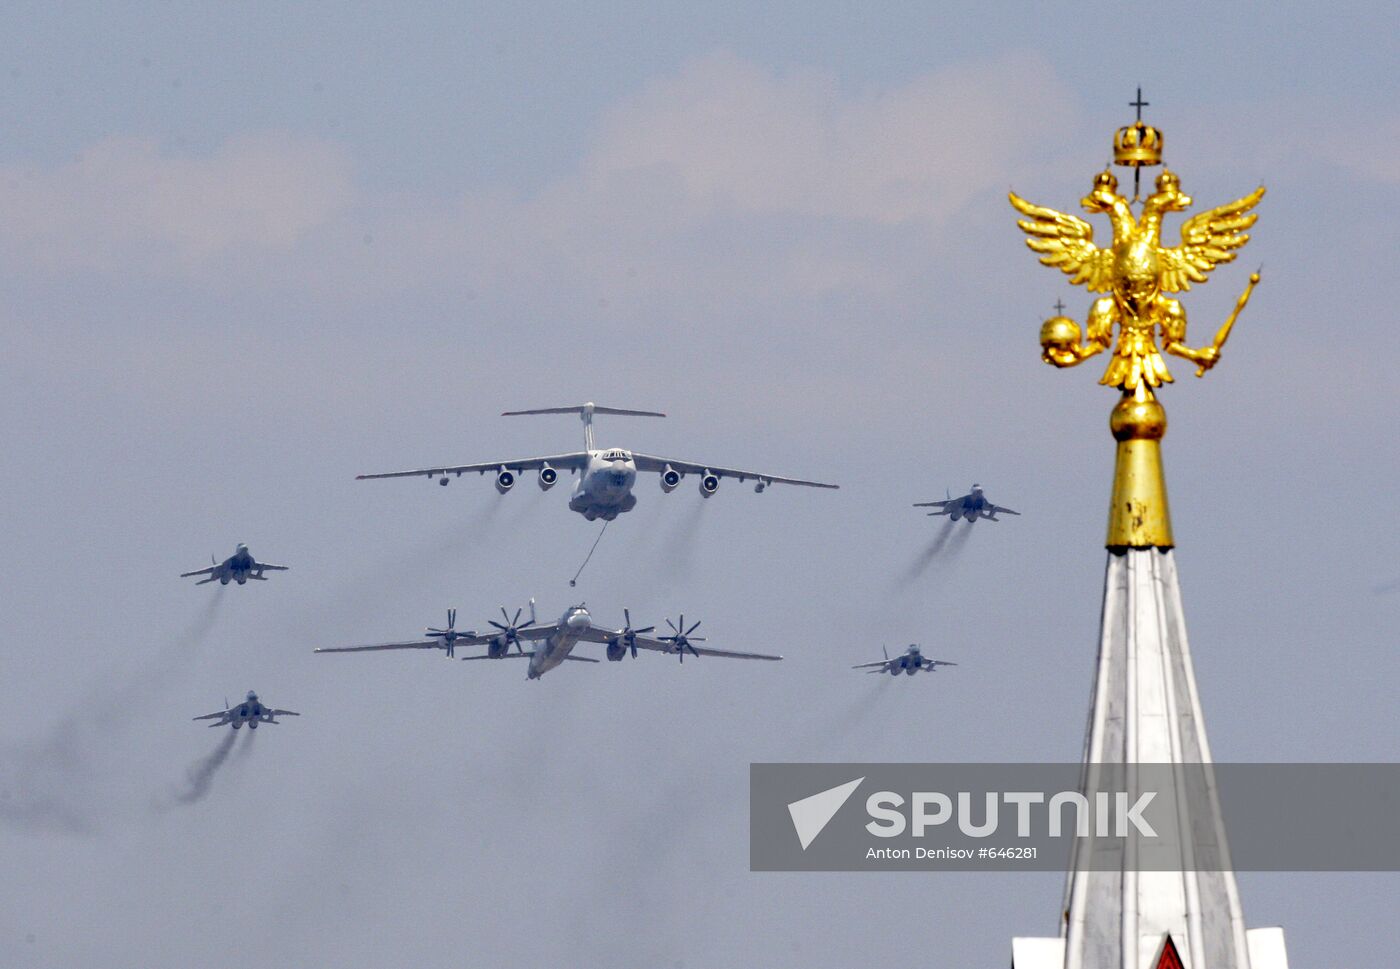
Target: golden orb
{"x": 1059, "y": 333}
{"x": 1138, "y": 420}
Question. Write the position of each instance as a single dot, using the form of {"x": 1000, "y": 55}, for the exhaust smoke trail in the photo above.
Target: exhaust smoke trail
{"x": 932, "y": 553}
{"x": 200, "y": 776}
{"x": 826, "y": 743}
{"x": 677, "y": 552}
{"x": 60, "y": 781}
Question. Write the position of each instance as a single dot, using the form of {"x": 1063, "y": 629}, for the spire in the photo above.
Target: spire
{"x": 1181, "y": 911}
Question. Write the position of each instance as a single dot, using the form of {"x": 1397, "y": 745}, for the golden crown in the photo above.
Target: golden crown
{"x": 1136, "y": 145}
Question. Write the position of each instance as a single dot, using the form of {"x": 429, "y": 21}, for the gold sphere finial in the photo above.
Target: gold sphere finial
{"x": 1138, "y": 420}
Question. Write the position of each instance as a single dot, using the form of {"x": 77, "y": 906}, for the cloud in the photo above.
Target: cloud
{"x": 128, "y": 203}
{"x": 722, "y": 148}
{"x": 736, "y": 137}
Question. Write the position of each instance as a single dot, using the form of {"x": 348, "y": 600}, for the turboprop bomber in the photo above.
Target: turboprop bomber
{"x": 548, "y": 644}
{"x": 606, "y": 476}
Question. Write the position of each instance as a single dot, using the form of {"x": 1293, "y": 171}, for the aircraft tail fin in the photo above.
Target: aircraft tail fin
{"x": 585, "y": 412}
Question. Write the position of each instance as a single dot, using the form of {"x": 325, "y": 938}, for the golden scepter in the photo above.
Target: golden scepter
{"x": 1223, "y": 333}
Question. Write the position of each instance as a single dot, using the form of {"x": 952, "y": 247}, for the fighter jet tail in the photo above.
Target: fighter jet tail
{"x": 585, "y": 412}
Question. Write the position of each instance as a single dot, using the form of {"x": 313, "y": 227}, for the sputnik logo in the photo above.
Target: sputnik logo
{"x": 811, "y": 814}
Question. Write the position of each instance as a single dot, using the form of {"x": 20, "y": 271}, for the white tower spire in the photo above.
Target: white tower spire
{"x": 1172, "y": 902}
{"x": 1146, "y": 710}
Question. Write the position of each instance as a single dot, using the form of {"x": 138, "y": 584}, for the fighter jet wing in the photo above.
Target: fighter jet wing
{"x": 260, "y": 566}
{"x": 209, "y": 571}
{"x": 998, "y": 510}
{"x": 212, "y": 716}
{"x": 931, "y": 663}
{"x": 565, "y": 462}
{"x": 282, "y": 713}
{"x": 649, "y": 462}
{"x": 883, "y": 663}
{"x": 434, "y": 643}
{"x": 936, "y": 504}
{"x": 656, "y": 645}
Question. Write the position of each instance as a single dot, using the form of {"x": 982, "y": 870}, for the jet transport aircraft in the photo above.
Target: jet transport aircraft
{"x": 552, "y": 643}
{"x": 605, "y": 476}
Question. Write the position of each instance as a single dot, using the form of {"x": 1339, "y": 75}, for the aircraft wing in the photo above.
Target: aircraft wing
{"x": 212, "y": 716}
{"x": 434, "y": 643}
{"x": 931, "y": 663}
{"x": 282, "y": 713}
{"x": 998, "y": 510}
{"x": 259, "y": 566}
{"x": 646, "y": 642}
{"x": 883, "y": 664}
{"x": 572, "y": 461}
{"x": 531, "y": 633}
{"x": 649, "y": 462}
{"x": 209, "y": 571}
{"x": 936, "y": 504}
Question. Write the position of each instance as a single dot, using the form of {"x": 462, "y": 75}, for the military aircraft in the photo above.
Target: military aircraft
{"x": 551, "y": 643}
{"x": 605, "y": 476}
{"x": 250, "y": 711}
{"x": 445, "y": 639}
{"x": 911, "y": 661}
{"x": 972, "y": 506}
{"x": 239, "y": 567}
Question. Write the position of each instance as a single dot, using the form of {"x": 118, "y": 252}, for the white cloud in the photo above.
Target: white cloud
{"x": 127, "y": 204}
{"x": 738, "y": 137}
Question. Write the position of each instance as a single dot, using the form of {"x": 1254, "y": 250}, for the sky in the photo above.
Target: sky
{"x": 248, "y": 251}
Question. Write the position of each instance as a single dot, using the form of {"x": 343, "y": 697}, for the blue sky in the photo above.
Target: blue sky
{"x": 247, "y": 252}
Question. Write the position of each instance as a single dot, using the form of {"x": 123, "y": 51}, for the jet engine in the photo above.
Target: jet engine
{"x": 548, "y": 477}
{"x": 670, "y": 478}
{"x": 505, "y": 480}
{"x": 709, "y": 483}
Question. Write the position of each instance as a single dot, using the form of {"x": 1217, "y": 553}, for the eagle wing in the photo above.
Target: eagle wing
{"x": 1067, "y": 242}
{"x": 1207, "y": 240}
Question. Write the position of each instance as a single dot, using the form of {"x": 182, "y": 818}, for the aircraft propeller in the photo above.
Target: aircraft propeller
{"x": 510, "y": 630}
{"x": 628, "y": 637}
{"x": 681, "y": 639}
{"x": 448, "y": 635}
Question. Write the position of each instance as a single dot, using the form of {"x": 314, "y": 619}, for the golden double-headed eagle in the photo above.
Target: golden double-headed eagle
{"x": 1136, "y": 272}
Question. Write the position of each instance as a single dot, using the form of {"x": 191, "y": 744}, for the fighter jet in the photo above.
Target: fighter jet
{"x": 250, "y": 711}
{"x": 238, "y": 567}
{"x": 910, "y": 662}
{"x": 971, "y": 506}
{"x": 605, "y": 476}
{"x": 551, "y": 643}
